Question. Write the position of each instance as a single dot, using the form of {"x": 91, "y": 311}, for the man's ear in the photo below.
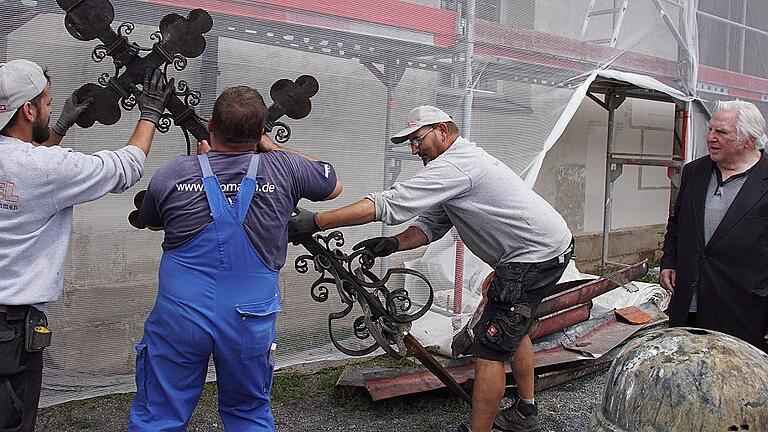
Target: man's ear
{"x": 443, "y": 128}
{"x": 211, "y": 131}
{"x": 29, "y": 111}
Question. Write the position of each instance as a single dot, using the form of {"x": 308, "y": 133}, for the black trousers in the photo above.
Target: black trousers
{"x": 690, "y": 320}
{"x": 21, "y": 375}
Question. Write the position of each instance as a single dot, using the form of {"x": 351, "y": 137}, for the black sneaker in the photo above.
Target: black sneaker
{"x": 520, "y": 417}
{"x": 463, "y": 428}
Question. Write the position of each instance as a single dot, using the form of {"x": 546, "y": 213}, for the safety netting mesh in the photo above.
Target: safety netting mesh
{"x": 531, "y": 63}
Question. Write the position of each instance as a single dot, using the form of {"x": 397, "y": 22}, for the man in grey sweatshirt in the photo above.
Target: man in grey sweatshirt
{"x": 39, "y": 184}
{"x": 500, "y": 219}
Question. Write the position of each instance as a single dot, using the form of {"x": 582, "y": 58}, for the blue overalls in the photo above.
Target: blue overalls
{"x": 216, "y": 296}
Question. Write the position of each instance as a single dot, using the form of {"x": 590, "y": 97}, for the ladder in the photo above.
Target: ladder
{"x": 618, "y": 13}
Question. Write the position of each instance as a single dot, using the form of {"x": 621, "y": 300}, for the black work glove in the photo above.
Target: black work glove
{"x": 302, "y": 224}
{"x": 154, "y": 95}
{"x": 70, "y": 113}
{"x": 379, "y": 246}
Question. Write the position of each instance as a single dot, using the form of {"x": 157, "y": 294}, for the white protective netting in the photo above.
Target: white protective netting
{"x": 531, "y": 63}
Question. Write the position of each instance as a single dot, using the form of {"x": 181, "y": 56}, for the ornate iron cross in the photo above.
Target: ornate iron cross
{"x": 386, "y": 313}
{"x": 178, "y": 39}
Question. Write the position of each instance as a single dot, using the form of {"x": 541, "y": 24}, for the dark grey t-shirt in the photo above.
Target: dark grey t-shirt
{"x": 720, "y": 196}
{"x": 176, "y": 200}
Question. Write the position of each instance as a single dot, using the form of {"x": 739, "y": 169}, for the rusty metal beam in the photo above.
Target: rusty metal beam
{"x": 565, "y": 286}
{"x": 590, "y": 290}
{"x": 557, "y": 321}
{"x": 414, "y": 347}
{"x": 553, "y": 366}
{"x": 385, "y": 384}
{"x": 594, "y": 344}
{"x": 561, "y": 314}
{"x": 397, "y": 382}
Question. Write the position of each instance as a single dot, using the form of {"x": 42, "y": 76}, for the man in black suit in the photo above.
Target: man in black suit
{"x": 716, "y": 248}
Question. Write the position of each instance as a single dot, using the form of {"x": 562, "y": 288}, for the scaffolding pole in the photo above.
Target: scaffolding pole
{"x": 612, "y": 172}
{"x": 389, "y": 159}
{"x": 209, "y": 75}
{"x": 466, "y": 120}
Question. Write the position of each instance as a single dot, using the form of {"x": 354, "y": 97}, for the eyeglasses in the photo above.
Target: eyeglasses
{"x": 416, "y": 141}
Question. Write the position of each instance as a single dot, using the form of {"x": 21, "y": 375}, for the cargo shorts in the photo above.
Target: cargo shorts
{"x": 515, "y": 293}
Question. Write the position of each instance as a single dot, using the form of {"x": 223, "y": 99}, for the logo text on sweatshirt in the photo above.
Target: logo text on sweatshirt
{"x": 8, "y": 199}
{"x": 227, "y": 187}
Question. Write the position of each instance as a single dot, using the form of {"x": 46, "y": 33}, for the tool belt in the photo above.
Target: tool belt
{"x": 37, "y": 335}
{"x": 35, "y": 329}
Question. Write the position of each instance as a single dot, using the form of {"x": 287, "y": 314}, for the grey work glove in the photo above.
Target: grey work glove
{"x": 70, "y": 113}
{"x": 154, "y": 95}
{"x": 379, "y": 246}
{"x": 302, "y": 224}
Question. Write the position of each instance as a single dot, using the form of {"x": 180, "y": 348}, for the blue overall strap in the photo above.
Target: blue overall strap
{"x": 216, "y": 199}
{"x": 247, "y": 188}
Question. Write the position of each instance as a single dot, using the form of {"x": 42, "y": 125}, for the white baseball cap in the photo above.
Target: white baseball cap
{"x": 420, "y": 116}
{"x": 20, "y": 82}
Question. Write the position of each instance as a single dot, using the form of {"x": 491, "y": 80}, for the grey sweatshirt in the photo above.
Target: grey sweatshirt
{"x": 38, "y": 187}
{"x": 496, "y": 214}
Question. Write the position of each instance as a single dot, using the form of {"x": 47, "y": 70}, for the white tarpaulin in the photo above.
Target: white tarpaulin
{"x": 531, "y": 172}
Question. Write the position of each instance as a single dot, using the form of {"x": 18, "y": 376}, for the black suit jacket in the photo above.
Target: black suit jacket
{"x": 731, "y": 270}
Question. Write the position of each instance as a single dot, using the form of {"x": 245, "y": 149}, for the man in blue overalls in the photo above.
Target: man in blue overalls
{"x": 225, "y": 216}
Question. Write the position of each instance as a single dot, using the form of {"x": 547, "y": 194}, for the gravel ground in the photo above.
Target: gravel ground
{"x": 310, "y": 402}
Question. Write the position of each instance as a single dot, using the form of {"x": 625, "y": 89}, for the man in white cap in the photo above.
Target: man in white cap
{"x": 38, "y": 187}
{"x": 500, "y": 219}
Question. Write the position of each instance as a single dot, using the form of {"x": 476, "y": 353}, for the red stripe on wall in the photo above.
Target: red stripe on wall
{"x": 744, "y": 94}
{"x": 233, "y": 8}
{"x": 751, "y": 84}
{"x": 396, "y": 13}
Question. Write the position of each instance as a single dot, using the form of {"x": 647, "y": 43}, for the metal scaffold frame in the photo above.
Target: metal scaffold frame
{"x": 615, "y": 93}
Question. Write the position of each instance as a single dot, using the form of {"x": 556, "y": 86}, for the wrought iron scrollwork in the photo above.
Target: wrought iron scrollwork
{"x": 179, "y": 62}
{"x": 129, "y": 102}
{"x": 191, "y": 97}
{"x": 282, "y": 132}
{"x": 125, "y": 28}
{"x": 165, "y": 123}
{"x": 156, "y": 37}
{"x": 104, "y": 79}
{"x": 387, "y": 313}
{"x": 99, "y": 53}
